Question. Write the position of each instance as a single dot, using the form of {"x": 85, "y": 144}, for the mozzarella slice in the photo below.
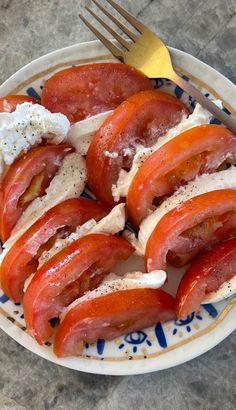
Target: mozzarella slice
{"x": 201, "y": 185}
{"x": 69, "y": 182}
{"x": 199, "y": 116}
{"x": 115, "y": 283}
{"x": 113, "y": 223}
{"x": 26, "y": 127}
{"x": 81, "y": 133}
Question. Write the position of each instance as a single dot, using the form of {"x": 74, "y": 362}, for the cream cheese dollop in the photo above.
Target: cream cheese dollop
{"x": 26, "y": 127}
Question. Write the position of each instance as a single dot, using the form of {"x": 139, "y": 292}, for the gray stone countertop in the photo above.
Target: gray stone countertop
{"x": 207, "y": 30}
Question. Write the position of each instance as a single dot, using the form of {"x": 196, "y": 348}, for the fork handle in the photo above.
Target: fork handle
{"x": 228, "y": 120}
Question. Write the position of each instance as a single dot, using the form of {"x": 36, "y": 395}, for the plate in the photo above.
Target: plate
{"x": 163, "y": 345}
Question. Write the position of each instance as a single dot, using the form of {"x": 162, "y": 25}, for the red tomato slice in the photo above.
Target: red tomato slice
{"x": 26, "y": 179}
{"x": 110, "y": 316}
{"x": 9, "y": 103}
{"x": 21, "y": 260}
{"x": 142, "y": 119}
{"x": 79, "y": 267}
{"x": 86, "y": 90}
{"x": 191, "y": 228}
{"x": 196, "y": 151}
{"x": 205, "y": 275}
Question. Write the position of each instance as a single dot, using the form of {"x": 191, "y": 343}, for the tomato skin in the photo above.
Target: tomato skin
{"x": 90, "y": 89}
{"x": 125, "y": 311}
{"x": 43, "y": 159}
{"x": 20, "y": 260}
{"x": 206, "y": 274}
{"x": 9, "y": 103}
{"x": 142, "y": 118}
{"x": 187, "y": 215}
{"x": 196, "y": 151}
{"x": 79, "y": 267}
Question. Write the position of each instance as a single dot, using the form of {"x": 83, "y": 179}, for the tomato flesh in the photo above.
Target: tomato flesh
{"x": 197, "y": 151}
{"x": 110, "y": 316}
{"x": 67, "y": 275}
{"x": 10, "y": 102}
{"x": 206, "y": 274}
{"x": 141, "y": 119}
{"x": 21, "y": 260}
{"x": 90, "y": 89}
{"x": 183, "y": 229}
{"x": 26, "y": 179}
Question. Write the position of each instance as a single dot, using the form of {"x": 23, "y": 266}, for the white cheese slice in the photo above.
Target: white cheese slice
{"x": 69, "y": 182}
{"x": 201, "y": 185}
{"x": 81, "y": 133}
{"x": 199, "y": 116}
{"x": 26, "y": 127}
{"x": 115, "y": 283}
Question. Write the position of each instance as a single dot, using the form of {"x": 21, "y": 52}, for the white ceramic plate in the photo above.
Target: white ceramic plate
{"x": 164, "y": 345}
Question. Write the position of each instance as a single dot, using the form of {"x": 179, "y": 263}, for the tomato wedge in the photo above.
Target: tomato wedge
{"x": 21, "y": 259}
{"x": 90, "y": 89}
{"x": 110, "y": 316}
{"x": 197, "y": 151}
{"x": 9, "y": 103}
{"x": 26, "y": 179}
{"x": 79, "y": 267}
{"x": 141, "y": 119}
{"x": 205, "y": 275}
{"x": 191, "y": 228}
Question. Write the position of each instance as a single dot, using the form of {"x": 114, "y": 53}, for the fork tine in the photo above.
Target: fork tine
{"x": 116, "y": 51}
{"x": 120, "y": 39}
{"x": 125, "y": 29}
{"x": 131, "y": 19}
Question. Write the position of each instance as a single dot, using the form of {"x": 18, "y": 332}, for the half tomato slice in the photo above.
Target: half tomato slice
{"x": 22, "y": 258}
{"x": 26, "y": 179}
{"x": 79, "y": 267}
{"x": 110, "y": 316}
{"x": 141, "y": 119}
{"x": 192, "y": 228}
{"x": 79, "y": 92}
{"x": 206, "y": 274}
{"x": 10, "y": 102}
{"x": 200, "y": 150}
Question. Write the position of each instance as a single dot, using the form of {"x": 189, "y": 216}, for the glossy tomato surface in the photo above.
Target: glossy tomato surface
{"x": 79, "y": 267}
{"x": 110, "y": 316}
{"x": 26, "y": 179}
{"x": 196, "y": 151}
{"x": 206, "y": 274}
{"x": 79, "y": 92}
{"x": 141, "y": 119}
{"x": 10, "y": 102}
{"x": 192, "y": 227}
{"x": 22, "y": 258}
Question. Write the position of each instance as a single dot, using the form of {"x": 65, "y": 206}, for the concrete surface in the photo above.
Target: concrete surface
{"x": 206, "y": 29}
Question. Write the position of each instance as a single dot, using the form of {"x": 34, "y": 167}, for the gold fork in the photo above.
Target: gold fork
{"x": 148, "y": 53}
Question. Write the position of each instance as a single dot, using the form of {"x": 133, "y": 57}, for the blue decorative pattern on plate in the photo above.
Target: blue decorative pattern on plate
{"x": 163, "y": 345}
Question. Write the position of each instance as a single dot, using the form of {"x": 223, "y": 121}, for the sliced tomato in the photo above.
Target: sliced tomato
{"x": 110, "y": 316}
{"x": 9, "y": 103}
{"x": 90, "y": 89}
{"x": 79, "y": 267}
{"x": 191, "y": 228}
{"x": 26, "y": 179}
{"x": 21, "y": 260}
{"x": 197, "y": 151}
{"x": 206, "y": 274}
{"x": 141, "y": 119}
